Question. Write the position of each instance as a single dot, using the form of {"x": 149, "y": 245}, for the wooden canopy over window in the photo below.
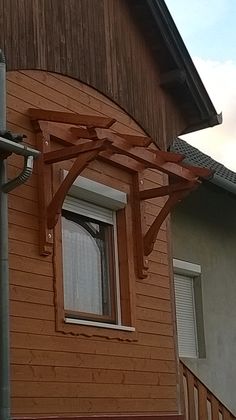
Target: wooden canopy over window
{"x": 85, "y": 138}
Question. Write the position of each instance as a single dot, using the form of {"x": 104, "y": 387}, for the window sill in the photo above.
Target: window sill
{"x": 91, "y": 329}
{"x": 99, "y": 324}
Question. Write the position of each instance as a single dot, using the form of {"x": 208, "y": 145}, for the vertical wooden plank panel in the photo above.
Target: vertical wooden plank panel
{"x": 202, "y": 402}
{"x": 214, "y": 408}
{"x": 191, "y": 402}
{"x": 225, "y": 414}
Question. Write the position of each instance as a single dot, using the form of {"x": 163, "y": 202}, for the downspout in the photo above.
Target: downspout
{"x": 22, "y": 178}
{"x": 7, "y": 147}
{"x": 4, "y": 275}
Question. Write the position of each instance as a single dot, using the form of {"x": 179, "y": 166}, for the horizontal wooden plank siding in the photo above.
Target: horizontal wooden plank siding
{"x": 64, "y": 374}
{"x": 99, "y": 42}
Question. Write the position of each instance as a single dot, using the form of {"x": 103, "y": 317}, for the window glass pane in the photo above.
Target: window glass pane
{"x": 86, "y": 265}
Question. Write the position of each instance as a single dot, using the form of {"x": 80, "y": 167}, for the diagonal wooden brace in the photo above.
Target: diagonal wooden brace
{"x": 165, "y": 190}
{"x": 55, "y": 206}
{"x": 151, "y": 235}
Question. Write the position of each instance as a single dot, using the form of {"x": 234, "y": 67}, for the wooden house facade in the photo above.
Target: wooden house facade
{"x": 101, "y": 88}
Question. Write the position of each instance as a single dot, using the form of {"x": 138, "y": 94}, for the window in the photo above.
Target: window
{"x": 185, "y": 314}
{"x": 93, "y": 283}
{"x": 89, "y": 262}
{"x": 189, "y": 315}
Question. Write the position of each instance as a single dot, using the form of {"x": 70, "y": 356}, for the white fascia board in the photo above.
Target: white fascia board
{"x": 97, "y": 193}
{"x": 187, "y": 268}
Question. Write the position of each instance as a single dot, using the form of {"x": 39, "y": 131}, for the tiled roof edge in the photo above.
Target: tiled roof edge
{"x": 218, "y": 179}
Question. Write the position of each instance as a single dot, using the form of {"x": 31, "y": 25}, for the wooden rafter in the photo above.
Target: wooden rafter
{"x": 169, "y": 156}
{"x": 85, "y": 138}
{"x": 86, "y": 133}
{"x": 199, "y": 172}
{"x": 93, "y": 133}
{"x": 151, "y": 160}
{"x": 160, "y": 160}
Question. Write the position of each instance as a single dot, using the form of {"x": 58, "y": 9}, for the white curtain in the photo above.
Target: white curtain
{"x": 81, "y": 269}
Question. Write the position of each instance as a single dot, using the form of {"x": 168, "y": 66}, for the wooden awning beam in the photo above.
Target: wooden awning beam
{"x": 36, "y": 114}
{"x": 71, "y": 152}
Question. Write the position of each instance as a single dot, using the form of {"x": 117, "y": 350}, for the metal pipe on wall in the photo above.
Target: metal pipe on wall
{"x": 7, "y": 147}
{"x": 4, "y": 276}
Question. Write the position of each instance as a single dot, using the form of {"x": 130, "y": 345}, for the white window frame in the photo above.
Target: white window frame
{"x": 100, "y": 202}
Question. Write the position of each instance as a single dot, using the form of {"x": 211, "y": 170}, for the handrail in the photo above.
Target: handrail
{"x": 200, "y": 403}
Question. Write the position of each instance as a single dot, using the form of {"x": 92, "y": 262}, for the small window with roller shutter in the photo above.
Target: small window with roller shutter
{"x": 189, "y": 313}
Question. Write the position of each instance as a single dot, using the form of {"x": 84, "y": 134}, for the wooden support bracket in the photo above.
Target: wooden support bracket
{"x": 174, "y": 198}
{"x": 145, "y": 243}
{"x": 50, "y": 202}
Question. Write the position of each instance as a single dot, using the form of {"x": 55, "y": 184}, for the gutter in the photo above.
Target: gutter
{"x": 180, "y": 55}
{"x": 224, "y": 183}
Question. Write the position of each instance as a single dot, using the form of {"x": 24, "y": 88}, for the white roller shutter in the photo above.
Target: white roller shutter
{"x": 185, "y": 314}
{"x": 88, "y": 209}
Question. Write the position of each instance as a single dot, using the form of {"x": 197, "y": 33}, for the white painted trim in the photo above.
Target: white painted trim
{"x": 187, "y": 268}
{"x": 97, "y": 193}
{"x": 98, "y": 324}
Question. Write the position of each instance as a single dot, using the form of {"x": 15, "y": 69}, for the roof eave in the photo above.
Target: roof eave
{"x": 179, "y": 53}
{"x": 210, "y": 122}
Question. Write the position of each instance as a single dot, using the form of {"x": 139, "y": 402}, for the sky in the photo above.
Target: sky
{"x": 209, "y": 31}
